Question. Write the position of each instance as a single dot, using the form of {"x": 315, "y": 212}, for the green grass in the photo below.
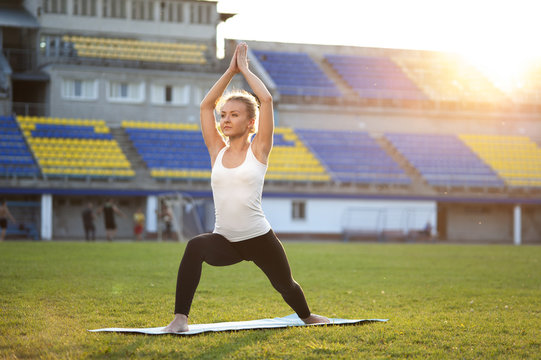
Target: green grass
{"x": 443, "y": 301}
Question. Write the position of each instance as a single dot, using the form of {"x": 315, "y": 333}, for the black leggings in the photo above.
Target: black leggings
{"x": 266, "y": 251}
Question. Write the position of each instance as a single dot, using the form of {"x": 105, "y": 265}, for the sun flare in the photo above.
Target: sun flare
{"x": 506, "y": 68}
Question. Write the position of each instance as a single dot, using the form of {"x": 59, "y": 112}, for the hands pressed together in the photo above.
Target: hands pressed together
{"x": 239, "y": 60}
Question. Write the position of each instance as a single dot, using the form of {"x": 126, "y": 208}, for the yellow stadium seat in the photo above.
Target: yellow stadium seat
{"x": 512, "y": 157}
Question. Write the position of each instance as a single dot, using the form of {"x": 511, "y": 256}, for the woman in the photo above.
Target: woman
{"x": 238, "y": 169}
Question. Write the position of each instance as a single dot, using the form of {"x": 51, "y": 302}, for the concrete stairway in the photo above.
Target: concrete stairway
{"x": 418, "y": 185}
{"x": 142, "y": 173}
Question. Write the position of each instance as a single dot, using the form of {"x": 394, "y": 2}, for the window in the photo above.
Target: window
{"x": 298, "y": 210}
{"x": 55, "y": 6}
{"x": 124, "y": 91}
{"x": 114, "y": 9}
{"x": 142, "y": 10}
{"x": 79, "y": 89}
{"x": 84, "y": 7}
{"x": 171, "y": 11}
{"x": 200, "y": 14}
{"x": 54, "y": 45}
{"x": 170, "y": 94}
{"x": 199, "y": 94}
{"x": 195, "y": 11}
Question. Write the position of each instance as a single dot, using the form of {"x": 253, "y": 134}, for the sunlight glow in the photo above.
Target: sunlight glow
{"x": 497, "y": 36}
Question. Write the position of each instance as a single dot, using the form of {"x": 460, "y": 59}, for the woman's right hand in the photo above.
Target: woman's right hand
{"x": 233, "y": 66}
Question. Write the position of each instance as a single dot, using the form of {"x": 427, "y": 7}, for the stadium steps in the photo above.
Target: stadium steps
{"x": 417, "y": 182}
{"x": 142, "y": 175}
{"x": 343, "y": 86}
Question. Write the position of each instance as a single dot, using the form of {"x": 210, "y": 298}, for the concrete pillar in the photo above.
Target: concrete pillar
{"x": 99, "y": 9}
{"x": 151, "y": 216}
{"x": 517, "y": 225}
{"x": 46, "y": 217}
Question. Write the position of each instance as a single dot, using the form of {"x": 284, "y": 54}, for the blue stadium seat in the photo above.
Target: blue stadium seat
{"x": 16, "y": 159}
{"x": 375, "y": 77}
{"x": 444, "y": 160}
{"x": 297, "y": 74}
{"x": 171, "y": 149}
{"x": 355, "y": 157}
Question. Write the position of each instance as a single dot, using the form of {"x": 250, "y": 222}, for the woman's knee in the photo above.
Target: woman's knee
{"x": 196, "y": 245}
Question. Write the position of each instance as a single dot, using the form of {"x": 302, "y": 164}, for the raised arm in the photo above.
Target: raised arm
{"x": 262, "y": 144}
{"x": 8, "y": 213}
{"x": 118, "y": 211}
{"x": 211, "y": 135}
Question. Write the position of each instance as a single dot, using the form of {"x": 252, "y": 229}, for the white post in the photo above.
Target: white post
{"x": 46, "y": 217}
{"x": 517, "y": 225}
{"x": 152, "y": 216}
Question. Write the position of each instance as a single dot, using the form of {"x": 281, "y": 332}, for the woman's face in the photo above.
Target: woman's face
{"x": 234, "y": 119}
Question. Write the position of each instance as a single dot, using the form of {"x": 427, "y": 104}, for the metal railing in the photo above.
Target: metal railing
{"x": 21, "y": 60}
{"x": 30, "y": 109}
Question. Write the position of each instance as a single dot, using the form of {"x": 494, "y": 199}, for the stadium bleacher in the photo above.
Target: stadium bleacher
{"x": 353, "y": 157}
{"x": 137, "y": 50}
{"x": 85, "y": 148}
{"x": 295, "y": 73}
{"x": 292, "y": 160}
{"x": 448, "y": 78}
{"x": 444, "y": 160}
{"x": 170, "y": 150}
{"x": 375, "y": 77}
{"x": 75, "y": 147}
{"x": 517, "y": 159}
{"x": 15, "y": 157}
{"x": 178, "y": 151}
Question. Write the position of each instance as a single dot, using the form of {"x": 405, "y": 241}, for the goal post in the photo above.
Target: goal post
{"x": 177, "y": 214}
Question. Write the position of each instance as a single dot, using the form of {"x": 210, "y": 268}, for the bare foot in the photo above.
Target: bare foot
{"x": 179, "y": 324}
{"x": 316, "y": 319}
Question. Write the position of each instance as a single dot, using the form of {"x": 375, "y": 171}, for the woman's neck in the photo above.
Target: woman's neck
{"x": 239, "y": 143}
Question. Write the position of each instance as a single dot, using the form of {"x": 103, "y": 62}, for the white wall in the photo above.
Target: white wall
{"x": 479, "y": 222}
{"x": 329, "y": 216}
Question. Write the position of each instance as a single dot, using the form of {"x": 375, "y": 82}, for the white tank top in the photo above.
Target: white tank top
{"x": 237, "y": 198}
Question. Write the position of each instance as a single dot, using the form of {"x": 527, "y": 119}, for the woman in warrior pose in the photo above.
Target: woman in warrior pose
{"x": 241, "y": 231}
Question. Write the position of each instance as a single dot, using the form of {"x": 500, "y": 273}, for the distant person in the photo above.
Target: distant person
{"x": 167, "y": 219}
{"x": 241, "y": 231}
{"x": 88, "y": 222}
{"x": 139, "y": 224}
{"x": 109, "y": 210}
{"x": 427, "y": 231}
{"x": 5, "y": 215}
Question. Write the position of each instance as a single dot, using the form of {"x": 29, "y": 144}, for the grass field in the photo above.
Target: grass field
{"x": 443, "y": 301}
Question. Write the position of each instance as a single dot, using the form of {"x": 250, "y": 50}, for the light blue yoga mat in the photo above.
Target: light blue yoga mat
{"x": 291, "y": 320}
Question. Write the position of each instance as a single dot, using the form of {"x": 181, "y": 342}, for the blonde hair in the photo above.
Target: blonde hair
{"x": 251, "y": 102}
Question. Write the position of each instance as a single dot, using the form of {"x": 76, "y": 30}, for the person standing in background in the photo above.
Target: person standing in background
{"x": 88, "y": 222}
{"x": 167, "y": 218}
{"x": 139, "y": 224}
{"x": 4, "y": 216}
{"x": 109, "y": 210}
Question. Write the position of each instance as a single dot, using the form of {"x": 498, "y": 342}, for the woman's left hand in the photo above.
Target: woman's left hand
{"x": 242, "y": 56}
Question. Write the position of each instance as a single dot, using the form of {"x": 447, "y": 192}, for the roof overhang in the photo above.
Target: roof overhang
{"x": 17, "y": 16}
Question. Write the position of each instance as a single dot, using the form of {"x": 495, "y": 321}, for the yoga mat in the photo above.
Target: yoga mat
{"x": 291, "y": 320}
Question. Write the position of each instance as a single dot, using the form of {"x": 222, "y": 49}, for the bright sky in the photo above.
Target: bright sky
{"x": 493, "y": 34}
